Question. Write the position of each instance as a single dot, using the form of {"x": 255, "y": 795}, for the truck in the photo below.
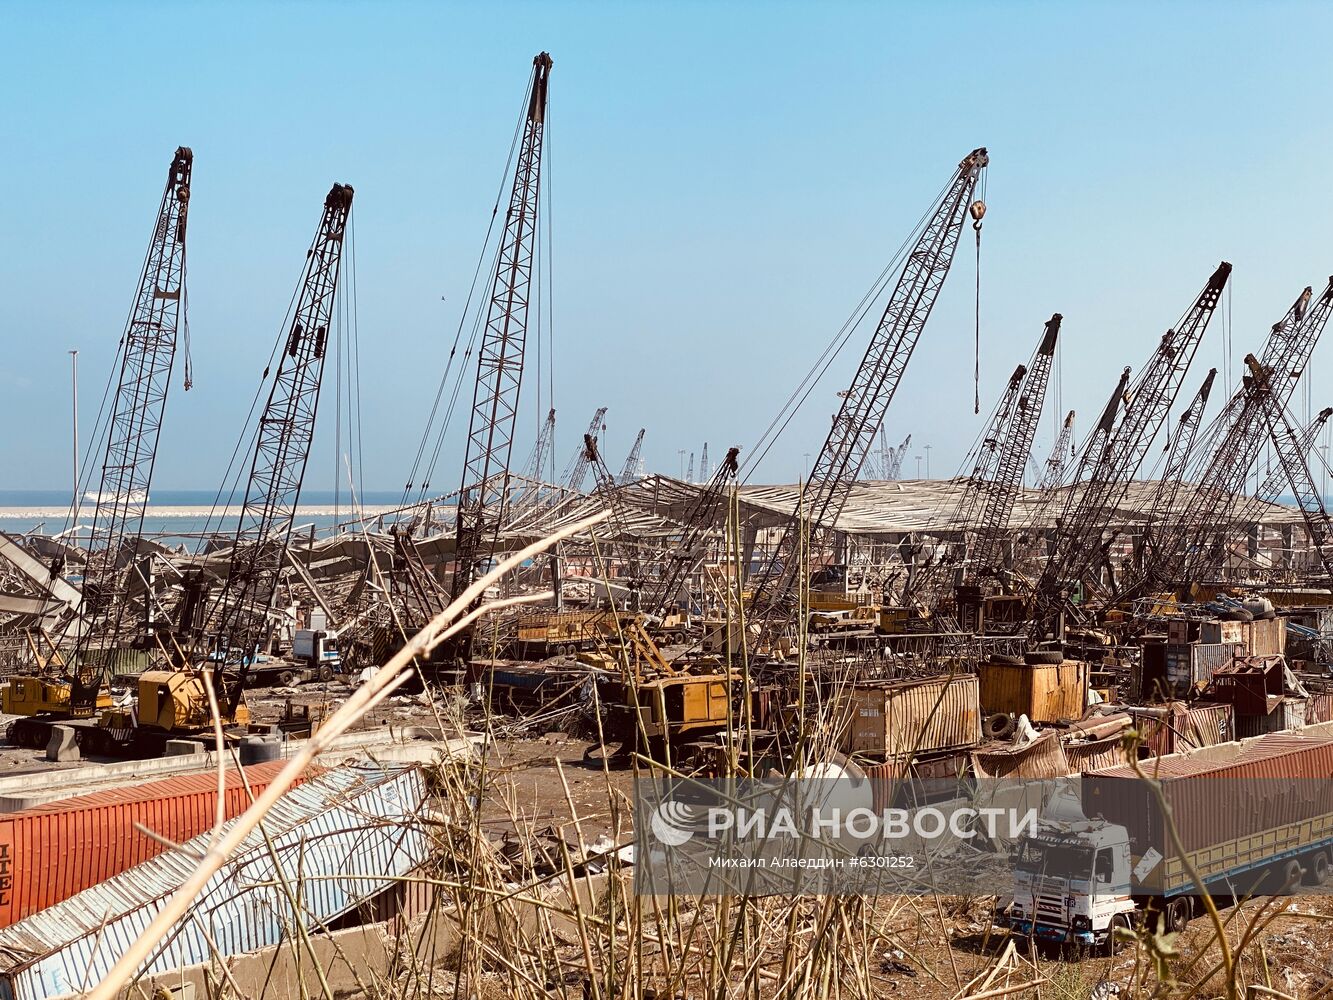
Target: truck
{"x": 1254, "y": 816}
{"x": 314, "y": 657}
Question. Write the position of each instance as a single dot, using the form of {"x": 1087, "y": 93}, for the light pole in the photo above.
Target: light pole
{"x": 927, "y": 461}
{"x": 682, "y": 464}
{"x": 74, "y": 385}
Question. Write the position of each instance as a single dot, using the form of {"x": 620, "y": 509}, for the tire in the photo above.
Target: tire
{"x": 1240, "y": 615}
{"x": 1044, "y": 658}
{"x": 1113, "y": 946}
{"x": 1317, "y": 868}
{"x": 1178, "y": 913}
{"x": 287, "y": 678}
{"x": 999, "y": 726}
{"x": 1008, "y": 661}
{"x": 326, "y": 673}
{"x": 1291, "y": 874}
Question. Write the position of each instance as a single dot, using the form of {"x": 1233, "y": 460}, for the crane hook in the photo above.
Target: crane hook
{"x": 978, "y": 212}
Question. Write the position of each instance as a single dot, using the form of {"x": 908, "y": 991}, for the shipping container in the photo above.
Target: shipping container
{"x": 1267, "y": 637}
{"x": 1291, "y": 713}
{"x": 901, "y": 718}
{"x": 1201, "y": 813}
{"x": 51, "y": 852}
{"x": 1042, "y": 692}
{"x": 324, "y": 849}
{"x": 1215, "y": 631}
{"x": 1176, "y": 726}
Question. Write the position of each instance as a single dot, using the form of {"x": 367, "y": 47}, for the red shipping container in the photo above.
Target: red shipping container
{"x": 51, "y": 852}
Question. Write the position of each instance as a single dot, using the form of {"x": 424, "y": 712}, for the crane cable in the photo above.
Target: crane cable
{"x": 976, "y": 347}
{"x": 978, "y": 212}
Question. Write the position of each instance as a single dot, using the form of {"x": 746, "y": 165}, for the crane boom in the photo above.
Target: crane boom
{"x": 881, "y": 369}
{"x": 630, "y": 470}
{"x": 1123, "y": 445}
{"x": 577, "y": 469}
{"x": 147, "y": 355}
{"x": 1055, "y": 461}
{"x": 700, "y": 516}
{"x": 495, "y": 397}
{"x": 1007, "y": 480}
{"x": 896, "y": 461}
{"x": 1192, "y": 541}
{"x": 282, "y": 444}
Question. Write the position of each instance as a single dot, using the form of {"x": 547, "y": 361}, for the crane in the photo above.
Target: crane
{"x": 146, "y": 358}
{"x": 1193, "y": 541}
{"x": 689, "y": 474}
{"x": 500, "y": 358}
{"x": 929, "y": 586}
{"x": 1054, "y": 472}
{"x": 577, "y": 469}
{"x": 993, "y": 527}
{"x": 877, "y": 377}
{"x": 1117, "y": 450}
{"x": 630, "y": 470}
{"x": 981, "y": 515}
{"x": 703, "y": 465}
{"x": 174, "y": 702}
{"x": 282, "y": 449}
{"x": 608, "y": 490}
{"x": 685, "y": 555}
{"x": 1168, "y": 486}
{"x": 1291, "y": 458}
{"x": 541, "y": 448}
{"x": 895, "y": 466}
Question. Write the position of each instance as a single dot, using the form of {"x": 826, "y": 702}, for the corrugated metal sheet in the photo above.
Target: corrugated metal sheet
{"x": 1190, "y": 667}
{"x": 1177, "y": 727}
{"x": 1291, "y": 713}
{"x": 1043, "y": 758}
{"x": 1320, "y": 708}
{"x": 1092, "y": 755}
{"x": 905, "y": 717}
{"x": 52, "y": 851}
{"x": 338, "y": 839}
{"x": 1044, "y": 693}
{"x": 1267, "y": 637}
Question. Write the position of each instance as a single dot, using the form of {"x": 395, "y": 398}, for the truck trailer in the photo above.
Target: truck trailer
{"x": 1254, "y": 816}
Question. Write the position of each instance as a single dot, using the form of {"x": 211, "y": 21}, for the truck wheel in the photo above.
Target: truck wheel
{"x": 1178, "y": 913}
{"x": 286, "y": 678}
{"x": 1292, "y": 875}
{"x": 1317, "y": 868}
{"x": 326, "y": 673}
{"x": 1120, "y": 922}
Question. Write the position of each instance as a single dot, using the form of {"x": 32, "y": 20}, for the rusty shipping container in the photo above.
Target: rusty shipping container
{"x": 55, "y": 850}
{"x": 1177, "y": 727}
{"x": 900, "y": 718}
{"x": 1042, "y": 692}
{"x": 1225, "y": 793}
{"x": 1291, "y": 713}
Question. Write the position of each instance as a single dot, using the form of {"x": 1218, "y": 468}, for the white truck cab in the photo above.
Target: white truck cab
{"x": 1072, "y": 882}
{"x": 316, "y": 647}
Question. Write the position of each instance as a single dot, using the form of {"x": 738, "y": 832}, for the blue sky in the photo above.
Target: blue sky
{"x": 726, "y": 180}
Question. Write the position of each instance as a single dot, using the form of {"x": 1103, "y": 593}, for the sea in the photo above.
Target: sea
{"x": 180, "y": 517}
